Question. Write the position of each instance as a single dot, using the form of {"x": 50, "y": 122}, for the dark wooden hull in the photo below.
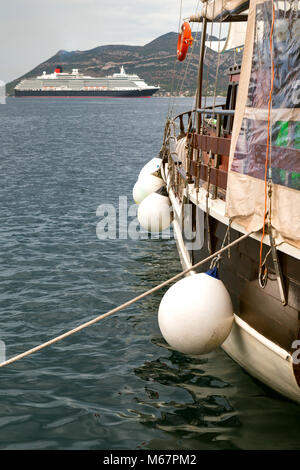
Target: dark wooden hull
{"x": 267, "y": 351}
{"x": 260, "y": 308}
{"x": 195, "y": 167}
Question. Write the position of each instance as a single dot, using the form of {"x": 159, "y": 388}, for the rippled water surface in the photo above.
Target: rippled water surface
{"x": 115, "y": 385}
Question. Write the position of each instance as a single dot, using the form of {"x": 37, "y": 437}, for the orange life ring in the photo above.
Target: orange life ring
{"x": 184, "y": 41}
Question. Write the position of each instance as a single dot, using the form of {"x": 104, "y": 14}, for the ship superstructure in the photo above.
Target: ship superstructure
{"x": 74, "y": 84}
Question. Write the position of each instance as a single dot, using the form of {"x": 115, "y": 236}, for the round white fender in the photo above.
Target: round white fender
{"x": 155, "y": 211}
{"x": 144, "y": 186}
{"x": 151, "y": 167}
{"x": 196, "y": 314}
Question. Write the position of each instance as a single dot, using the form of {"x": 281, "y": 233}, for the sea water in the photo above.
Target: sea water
{"x": 115, "y": 385}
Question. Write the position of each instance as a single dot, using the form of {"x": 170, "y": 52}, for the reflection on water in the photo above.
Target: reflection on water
{"x": 217, "y": 405}
{"x": 203, "y": 417}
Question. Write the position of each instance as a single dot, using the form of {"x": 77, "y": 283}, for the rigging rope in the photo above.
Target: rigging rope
{"x": 124, "y": 305}
{"x": 169, "y": 112}
{"x": 208, "y": 66}
{"x": 268, "y": 138}
{"x": 216, "y": 261}
{"x": 172, "y": 102}
{"x": 218, "y": 63}
{"x": 189, "y": 57}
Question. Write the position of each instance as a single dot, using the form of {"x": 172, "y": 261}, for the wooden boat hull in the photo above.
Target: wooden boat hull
{"x": 264, "y": 330}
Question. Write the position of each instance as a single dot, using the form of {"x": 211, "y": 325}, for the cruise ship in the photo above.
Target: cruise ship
{"x": 75, "y": 84}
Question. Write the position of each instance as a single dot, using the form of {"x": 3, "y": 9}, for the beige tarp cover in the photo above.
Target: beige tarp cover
{"x": 220, "y": 9}
{"x": 246, "y": 187}
{"x": 235, "y": 38}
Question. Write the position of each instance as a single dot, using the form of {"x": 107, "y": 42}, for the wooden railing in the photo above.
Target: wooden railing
{"x": 211, "y": 159}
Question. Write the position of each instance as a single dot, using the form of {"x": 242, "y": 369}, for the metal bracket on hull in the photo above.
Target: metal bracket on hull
{"x": 263, "y": 273}
{"x": 278, "y": 270}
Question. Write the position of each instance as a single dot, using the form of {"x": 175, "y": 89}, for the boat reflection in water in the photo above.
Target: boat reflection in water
{"x": 196, "y": 405}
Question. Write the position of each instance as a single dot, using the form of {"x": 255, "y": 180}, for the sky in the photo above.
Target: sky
{"x": 31, "y": 31}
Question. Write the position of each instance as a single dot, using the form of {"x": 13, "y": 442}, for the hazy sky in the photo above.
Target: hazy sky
{"x": 31, "y": 31}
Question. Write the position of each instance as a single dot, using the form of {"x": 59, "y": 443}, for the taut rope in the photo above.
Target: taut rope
{"x": 121, "y": 307}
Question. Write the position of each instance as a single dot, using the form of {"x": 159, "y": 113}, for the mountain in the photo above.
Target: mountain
{"x": 153, "y": 62}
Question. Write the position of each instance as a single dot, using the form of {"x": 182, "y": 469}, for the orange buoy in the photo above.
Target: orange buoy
{"x": 185, "y": 40}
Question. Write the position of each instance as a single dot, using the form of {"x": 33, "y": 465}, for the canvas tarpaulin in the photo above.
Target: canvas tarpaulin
{"x": 245, "y": 200}
{"x": 235, "y": 38}
{"x": 216, "y": 10}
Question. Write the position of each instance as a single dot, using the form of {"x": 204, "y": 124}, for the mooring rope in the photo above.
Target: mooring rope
{"x": 121, "y": 307}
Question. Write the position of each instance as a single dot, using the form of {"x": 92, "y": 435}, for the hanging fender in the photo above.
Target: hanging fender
{"x": 185, "y": 40}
